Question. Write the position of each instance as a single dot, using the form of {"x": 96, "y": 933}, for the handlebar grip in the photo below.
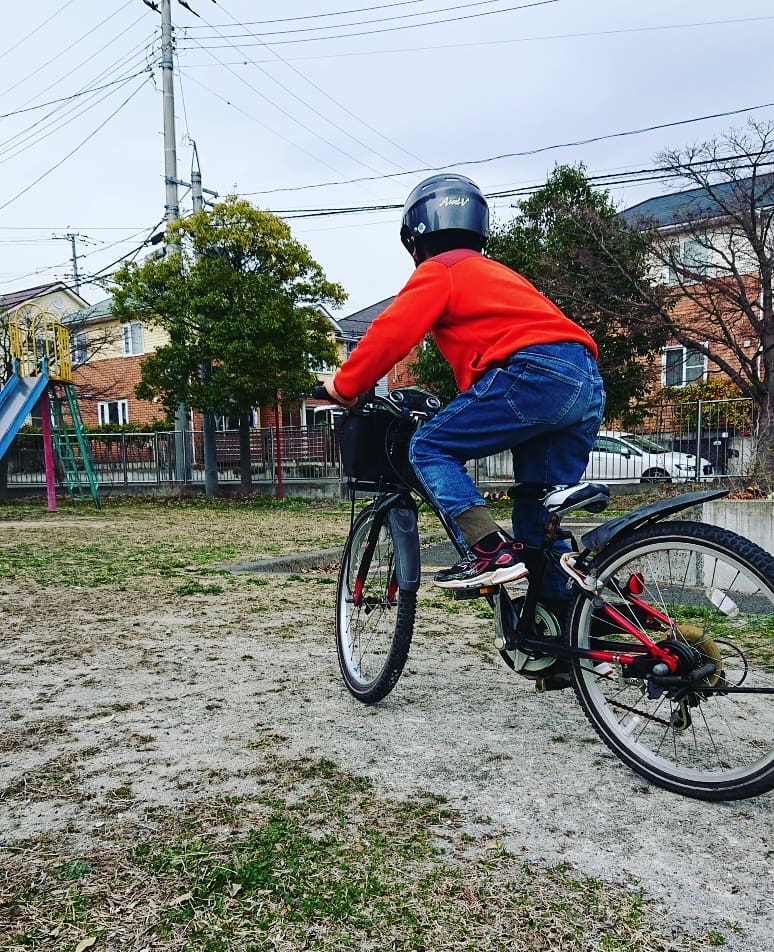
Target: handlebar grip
{"x": 319, "y": 392}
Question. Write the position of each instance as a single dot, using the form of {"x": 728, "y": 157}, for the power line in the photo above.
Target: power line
{"x": 607, "y": 179}
{"x": 30, "y": 138}
{"x": 73, "y": 151}
{"x": 123, "y": 62}
{"x": 37, "y": 29}
{"x": 48, "y": 62}
{"x": 403, "y": 16}
{"x": 536, "y": 151}
{"x": 318, "y": 16}
{"x": 392, "y": 29}
{"x": 289, "y": 116}
{"x": 499, "y": 42}
{"x": 83, "y": 92}
{"x": 330, "y": 99}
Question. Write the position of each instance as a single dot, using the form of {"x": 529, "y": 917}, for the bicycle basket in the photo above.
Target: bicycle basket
{"x": 374, "y": 448}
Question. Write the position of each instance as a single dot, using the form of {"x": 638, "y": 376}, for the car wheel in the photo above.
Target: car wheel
{"x": 656, "y": 476}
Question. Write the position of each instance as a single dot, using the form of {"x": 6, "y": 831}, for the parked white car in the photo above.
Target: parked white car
{"x": 620, "y": 457}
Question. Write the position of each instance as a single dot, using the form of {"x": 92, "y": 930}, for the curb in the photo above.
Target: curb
{"x": 318, "y": 558}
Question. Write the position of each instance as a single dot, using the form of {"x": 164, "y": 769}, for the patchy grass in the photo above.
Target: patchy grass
{"x": 315, "y": 860}
{"x": 132, "y": 539}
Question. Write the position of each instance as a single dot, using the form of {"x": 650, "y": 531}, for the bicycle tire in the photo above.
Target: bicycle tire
{"x": 717, "y": 590}
{"x": 373, "y": 637}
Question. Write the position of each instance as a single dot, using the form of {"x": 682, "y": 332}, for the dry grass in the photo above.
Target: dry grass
{"x": 315, "y": 861}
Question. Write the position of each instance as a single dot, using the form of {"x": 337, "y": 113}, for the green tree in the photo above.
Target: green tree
{"x": 238, "y": 297}
{"x": 571, "y": 243}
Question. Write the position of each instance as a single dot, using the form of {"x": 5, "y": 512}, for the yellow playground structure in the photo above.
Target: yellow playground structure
{"x": 42, "y": 376}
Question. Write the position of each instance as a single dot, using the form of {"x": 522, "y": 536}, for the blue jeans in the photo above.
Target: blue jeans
{"x": 545, "y": 405}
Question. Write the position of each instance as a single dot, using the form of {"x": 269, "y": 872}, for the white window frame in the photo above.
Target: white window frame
{"x": 686, "y": 356}
{"x": 103, "y": 411}
{"x": 133, "y": 338}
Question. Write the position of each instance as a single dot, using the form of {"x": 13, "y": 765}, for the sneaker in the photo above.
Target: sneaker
{"x": 485, "y": 568}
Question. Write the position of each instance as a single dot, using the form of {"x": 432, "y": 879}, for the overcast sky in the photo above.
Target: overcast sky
{"x": 346, "y": 104}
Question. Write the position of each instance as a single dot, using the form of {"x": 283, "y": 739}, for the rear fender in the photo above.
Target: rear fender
{"x": 603, "y": 535}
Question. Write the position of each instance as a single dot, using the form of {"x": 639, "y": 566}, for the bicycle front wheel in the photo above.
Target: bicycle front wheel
{"x": 374, "y": 618}
{"x": 714, "y": 594}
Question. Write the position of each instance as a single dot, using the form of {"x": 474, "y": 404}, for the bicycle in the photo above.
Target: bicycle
{"x": 667, "y": 642}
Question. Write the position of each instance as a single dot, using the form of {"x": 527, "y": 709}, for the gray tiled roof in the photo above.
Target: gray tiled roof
{"x": 92, "y": 313}
{"x": 15, "y": 298}
{"x": 355, "y": 325}
{"x": 697, "y": 203}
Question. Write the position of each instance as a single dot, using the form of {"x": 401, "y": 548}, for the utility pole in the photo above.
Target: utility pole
{"x": 182, "y": 460}
{"x": 71, "y": 238}
{"x": 205, "y": 367}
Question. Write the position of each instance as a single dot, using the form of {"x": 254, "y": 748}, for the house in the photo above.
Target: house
{"x": 55, "y": 298}
{"x": 106, "y": 357}
{"x": 352, "y": 329}
{"x": 705, "y": 253}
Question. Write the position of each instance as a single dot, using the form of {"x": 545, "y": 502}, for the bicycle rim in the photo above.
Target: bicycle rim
{"x": 374, "y": 629}
{"x": 716, "y": 591}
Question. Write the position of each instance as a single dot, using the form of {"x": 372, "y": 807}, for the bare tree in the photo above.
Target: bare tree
{"x": 714, "y": 242}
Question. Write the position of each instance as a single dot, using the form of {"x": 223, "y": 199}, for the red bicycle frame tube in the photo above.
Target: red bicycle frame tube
{"x": 652, "y": 648}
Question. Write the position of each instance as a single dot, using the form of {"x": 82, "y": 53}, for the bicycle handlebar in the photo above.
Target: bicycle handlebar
{"x": 399, "y": 401}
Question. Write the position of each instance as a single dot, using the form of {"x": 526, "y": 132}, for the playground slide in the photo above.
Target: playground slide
{"x": 17, "y": 399}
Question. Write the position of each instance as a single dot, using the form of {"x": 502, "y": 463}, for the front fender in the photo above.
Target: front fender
{"x": 405, "y": 537}
{"x": 603, "y": 535}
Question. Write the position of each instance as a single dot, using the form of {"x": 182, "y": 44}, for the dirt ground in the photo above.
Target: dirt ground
{"x": 134, "y": 678}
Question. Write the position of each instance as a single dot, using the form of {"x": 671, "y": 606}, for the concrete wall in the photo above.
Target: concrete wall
{"x": 751, "y": 518}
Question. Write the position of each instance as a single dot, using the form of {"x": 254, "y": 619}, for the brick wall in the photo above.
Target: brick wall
{"x": 113, "y": 379}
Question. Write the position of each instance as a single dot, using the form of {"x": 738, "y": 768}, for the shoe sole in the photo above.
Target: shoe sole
{"x": 511, "y": 573}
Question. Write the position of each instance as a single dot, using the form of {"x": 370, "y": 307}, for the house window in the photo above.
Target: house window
{"x": 695, "y": 256}
{"x": 78, "y": 348}
{"x": 681, "y": 366}
{"x": 133, "y": 343}
{"x": 687, "y": 257}
{"x": 113, "y": 411}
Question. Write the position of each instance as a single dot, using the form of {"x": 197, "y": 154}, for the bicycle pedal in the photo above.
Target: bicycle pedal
{"x": 479, "y": 592}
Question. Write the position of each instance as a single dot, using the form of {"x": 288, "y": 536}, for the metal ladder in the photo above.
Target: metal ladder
{"x": 71, "y": 443}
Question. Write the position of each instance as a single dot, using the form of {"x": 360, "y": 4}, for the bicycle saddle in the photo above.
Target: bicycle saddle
{"x": 594, "y": 497}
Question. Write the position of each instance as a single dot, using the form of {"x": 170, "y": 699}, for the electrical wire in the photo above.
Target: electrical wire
{"x": 603, "y": 180}
{"x": 48, "y": 62}
{"x": 44, "y": 127}
{"x": 330, "y": 99}
{"x": 83, "y": 92}
{"x": 526, "y": 152}
{"x": 72, "y": 152}
{"x": 519, "y": 39}
{"x": 37, "y": 29}
{"x": 409, "y": 26}
{"x": 298, "y": 122}
{"x": 319, "y": 16}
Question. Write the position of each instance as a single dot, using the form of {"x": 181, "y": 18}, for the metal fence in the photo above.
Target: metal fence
{"x": 677, "y": 442}
{"x": 664, "y": 447}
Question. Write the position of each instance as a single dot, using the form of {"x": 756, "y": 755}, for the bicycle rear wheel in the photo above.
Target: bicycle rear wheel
{"x": 374, "y": 619}
{"x": 713, "y": 740}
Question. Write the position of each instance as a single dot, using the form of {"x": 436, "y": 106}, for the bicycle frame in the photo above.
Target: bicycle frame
{"x": 398, "y": 506}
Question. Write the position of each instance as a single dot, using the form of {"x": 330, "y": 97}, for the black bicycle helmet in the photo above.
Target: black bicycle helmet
{"x": 445, "y": 202}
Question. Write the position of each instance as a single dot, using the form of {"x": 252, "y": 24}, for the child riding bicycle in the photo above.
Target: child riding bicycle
{"x": 526, "y": 373}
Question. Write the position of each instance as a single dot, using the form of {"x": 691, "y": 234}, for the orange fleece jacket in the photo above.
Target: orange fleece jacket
{"x": 478, "y": 310}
